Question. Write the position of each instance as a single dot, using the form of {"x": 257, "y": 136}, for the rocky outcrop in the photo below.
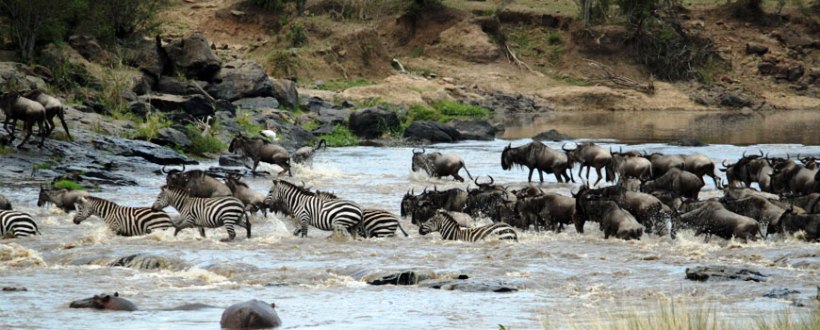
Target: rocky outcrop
{"x": 285, "y": 92}
{"x": 257, "y": 103}
{"x": 723, "y": 273}
{"x": 171, "y": 85}
{"x": 89, "y": 48}
{"x": 171, "y": 137}
{"x": 194, "y": 57}
{"x": 371, "y": 123}
{"x": 195, "y": 105}
{"x": 475, "y": 129}
{"x": 432, "y": 132}
{"x": 75, "y": 66}
{"x": 146, "y": 150}
{"x": 240, "y": 79}
{"x": 21, "y": 76}
{"x": 551, "y": 135}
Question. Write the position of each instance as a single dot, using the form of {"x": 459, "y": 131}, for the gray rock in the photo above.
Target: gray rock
{"x": 138, "y": 108}
{"x": 551, "y": 135}
{"x": 239, "y": 79}
{"x": 473, "y": 285}
{"x": 194, "y": 57}
{"x": 257, "y": 103}
{"x": 171, "y": 85}
{"x": 171, "y": 137}
{"x": 689, "y": 143}
{"x": 371, "y": 123}
{"x": 195, "y": 105}
{"x": 316, "y": 104}
{"x": 21, "y": 76}
{"x": 734, "y": 101}
{"x": 780, "y": 293}
{"x": 89, "y": 48}
{"x": 723, "y": 273}
{"x": 333, "y": 116}
{"x": 230, "y": 160}
{"x": 285, "y": 92}
{"x": 753, "y": 48}
{"x": 475, "y": 129}
{"x": 252, "y": 314}
{"x": 134, "y": 148}
{"x": 431, "y": 131}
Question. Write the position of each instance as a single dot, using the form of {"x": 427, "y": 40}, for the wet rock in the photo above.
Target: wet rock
{"x": 230, "y": 160}
{"x": 472, "y": 285}
{"x": 257, "y": 103}
{"x": 252, "y": 314}
{"x": 509, "y": 103}
{"x": 171, "y": 85}
{"x": 194, "y": 57}
{"x": 285, "y": 92}
{"x": 432, "y": 132}
{"x": 195, "y": 105}
{"x": 146, "y": 262}
{"x": 371, "y": 123}
{"x": 475, "y": 129}
{"x": 688, "y": 143}
{"x": 171, "y": 137}
{"x": 240, "y": 79}
{"x": 20, "y": 75}
{"x": 723, "y": 273}
{"x": 294, "y": 136}
{"x": 89, "y": 48}
{"x": 332, "y": 116}
{"x": 221, "y": 172}
{"x": 734, "y": 100}
{"x": 149, "y": 151}
{"x": 753, "y": 48}
{"x": 411, "y": 277}
{"x": 14, "y": 289}
{"x": 96, "y": 175}
{"x": 780, "y": 293}
{"x": 551, "y": 135}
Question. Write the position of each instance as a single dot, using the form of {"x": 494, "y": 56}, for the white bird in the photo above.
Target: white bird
{"x": 269, "y": 134}
{"x": 205, "y": 126}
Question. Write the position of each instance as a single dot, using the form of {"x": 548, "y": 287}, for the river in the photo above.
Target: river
{"x": 566, "y": 279}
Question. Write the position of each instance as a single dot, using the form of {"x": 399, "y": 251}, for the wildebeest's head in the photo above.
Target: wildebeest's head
{"x": 408, "y": 203}
{"x": 507, "y": 157}
{"x": 419, "y": 160}
{"x": 43, "y": 198}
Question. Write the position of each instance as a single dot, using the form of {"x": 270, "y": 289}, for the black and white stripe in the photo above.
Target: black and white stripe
{"x": 210, "y": 212}
{"x": 325, "y": 214}
{"x": 123, "y": 220}
{"x": 444, "y": 223}
{"x": 16, "y": 224}
{"x": 379, "y": 223}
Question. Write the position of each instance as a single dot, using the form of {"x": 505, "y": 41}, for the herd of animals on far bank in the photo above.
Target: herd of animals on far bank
{"x": 649, "y": 194}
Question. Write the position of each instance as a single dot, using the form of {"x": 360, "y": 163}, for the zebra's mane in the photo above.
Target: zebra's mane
{"x": 447, "y": 216}
{"x": 299, "y": 188}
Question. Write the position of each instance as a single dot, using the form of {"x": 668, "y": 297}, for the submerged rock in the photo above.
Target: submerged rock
{"x": 724, "y": 273}
{"x": 431, "y": 131}
{"x": 551, "y": 135}
{"x": 473, "y": 285}
{"x": 780, "y": 293}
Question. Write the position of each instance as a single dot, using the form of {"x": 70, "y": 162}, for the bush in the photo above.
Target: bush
{"x": 297, "y": 35}
{"x": 341, "y": 136}
{"x": 249, "y": 126}
{"x": 455, "y": 109}
{"x": 421, "y": 112}
{"x": 202, "y": 145}
{"x": 67, "y": 184}
{"x": 148, "y": 129}
{"x": 284, "y": 62}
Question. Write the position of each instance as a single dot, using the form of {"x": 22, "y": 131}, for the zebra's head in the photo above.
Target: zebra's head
{"x": 275, "y": 200}
{"x": 433, "y": 225}
{"x": 163, "y": 199}
{"x": 83, "y": 210}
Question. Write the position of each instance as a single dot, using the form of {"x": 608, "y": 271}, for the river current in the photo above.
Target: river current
{"x": 566, "y": 279}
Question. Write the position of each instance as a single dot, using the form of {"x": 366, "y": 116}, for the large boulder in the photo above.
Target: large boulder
{"x": 475, "y": 129}
{"x": 257, "y": 103}
{"x": 135, "y": 148}
{"x": 371, "y": 123}
{"x": 89, "y": 48}
{"x": 285, "y": 92}
{"x": 194, "y": 57}
{"x": 252, "y": 314}
{"x": 20, "y": 75}
{"x": 431, "y": 131}
{"x": 171, "y": 137}
{"x": 195, "y": 105}
{"x": 723, "y": 273}
{"x": 551, "y": 135}
{"x": 239, "y": 79}
{"x": 171, "y": 85}
{"x": 67, "y": 60}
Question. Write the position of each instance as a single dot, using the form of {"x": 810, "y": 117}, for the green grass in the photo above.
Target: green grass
{"x": 249, "y": 126}
{"x": 458, "y": 110}
{"x": 67, "y": 184}
{"x": 4, "y": 150}
{"x": 341, "y": 136}
{"x": 202, "y": 145}
{"x": 148, "y": 129}
{"x": 341, "y": 85}
{"x": 573, "y": 80}
{"x": 41, "y": 166}
{"x": 311, "y": 125}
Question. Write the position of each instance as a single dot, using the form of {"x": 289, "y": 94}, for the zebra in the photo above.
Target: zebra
{"x": 379, "y": 223}
{"x": 123, "y": 220}
{"x": 16, "y": 224}
{"x": 199, "y": 212}
{"x": 444, "y": 223}
{"x": 375, "y": 222}
{"x": 325, "y": 214}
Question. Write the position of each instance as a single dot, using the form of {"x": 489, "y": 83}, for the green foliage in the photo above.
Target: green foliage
{"x": 4, "y": 150}
{"x": 311, "y": 125}
{"x": 416, "y": 52}
{"x": 147, "y": 130}
{"x": 249, "y": 126}
{"x": 267, "y": 4}
{"x": 40, "y": 166}
{"x": 341, "y": 85}
{"x": 202, "y": 145}
{"x": 554, "y": 38}
{"x": 422, "y": 112}
{"x": 284, "y": 62}
{"x": 341, "y": 136}
{"x": 67, "y": 184}
{"x": 297, "y": 35}
{"x": 453, "y": 109}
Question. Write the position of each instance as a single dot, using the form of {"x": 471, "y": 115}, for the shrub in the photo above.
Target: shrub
{"x": 455, "y": 109}
{"x": 284, "y": 62}
{"x": 422, "y": 112}
{"x": 297, "y": 35}
{"x": 41, "y": 166}
{"x": 249, "y": 127}
{"x": 554, "y": 38}
{"x": 147, "y": 130}
{"x": 341, "y": 136}
{"x": 201, "y": 145}
{"x": 67, "y": 184}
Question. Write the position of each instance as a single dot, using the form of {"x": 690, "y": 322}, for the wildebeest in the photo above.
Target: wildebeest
{"x": 53, "y": 108}
{"x": 751, "y": 168}
{"x": 537, "y": 156}
{"x": 62, "y": 198}
{"x": 4, "y": 203}
{"x": 260, "y": 151}
{"x": 810, "y": 202}
{"x": 30, "y": 112}
{"x": 755, "y": 207}
{"x": 799, "y": 179}
{"x": 254, "y": 201}
{"x": 792, "y": 222}
{"x": 552, "y": 211}
{"x": 452, "y": 200}
{"x": 196, "y": 183}
{"x": 712, "y": 218}
{"x": 489, "y": 200}
{"x": 438, "y": 165}
{"x": 630, "y": 165}
{"x": 662, "y": 163}
{"x": 647, "y": 209}
{"x": 701, "y": 165}
{"x": 304, "y": 155}
{"x": 590, "y": 155}
{"x": 612, "y": 218}
{"x": 683, "y": 183}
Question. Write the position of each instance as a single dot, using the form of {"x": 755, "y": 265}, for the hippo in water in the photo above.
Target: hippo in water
{"x": 252, "y": 314}
{"x": 105, "y": 301}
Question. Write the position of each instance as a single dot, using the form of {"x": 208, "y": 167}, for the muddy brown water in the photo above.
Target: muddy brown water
{"x": 563, "y": 279}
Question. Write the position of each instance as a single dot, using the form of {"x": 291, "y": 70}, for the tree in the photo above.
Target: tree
{"x": 30, "y": 19}
{"x": 127, "y": 17}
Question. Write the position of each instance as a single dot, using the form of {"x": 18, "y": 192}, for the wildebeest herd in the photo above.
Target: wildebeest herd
{"x": 651, "y": 194}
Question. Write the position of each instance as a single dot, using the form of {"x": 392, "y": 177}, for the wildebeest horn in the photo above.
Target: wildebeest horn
{"x": 744, "y": 153}
{"x": 476, "y": 181}
{"x": 563, "y": 147}
{"x": 787, "y": 156}
{"x": 491, "y": 179}
{"x": 423, "y": 150}
{"x": 761, "y": 152}
{"x": 163, "y": 170}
